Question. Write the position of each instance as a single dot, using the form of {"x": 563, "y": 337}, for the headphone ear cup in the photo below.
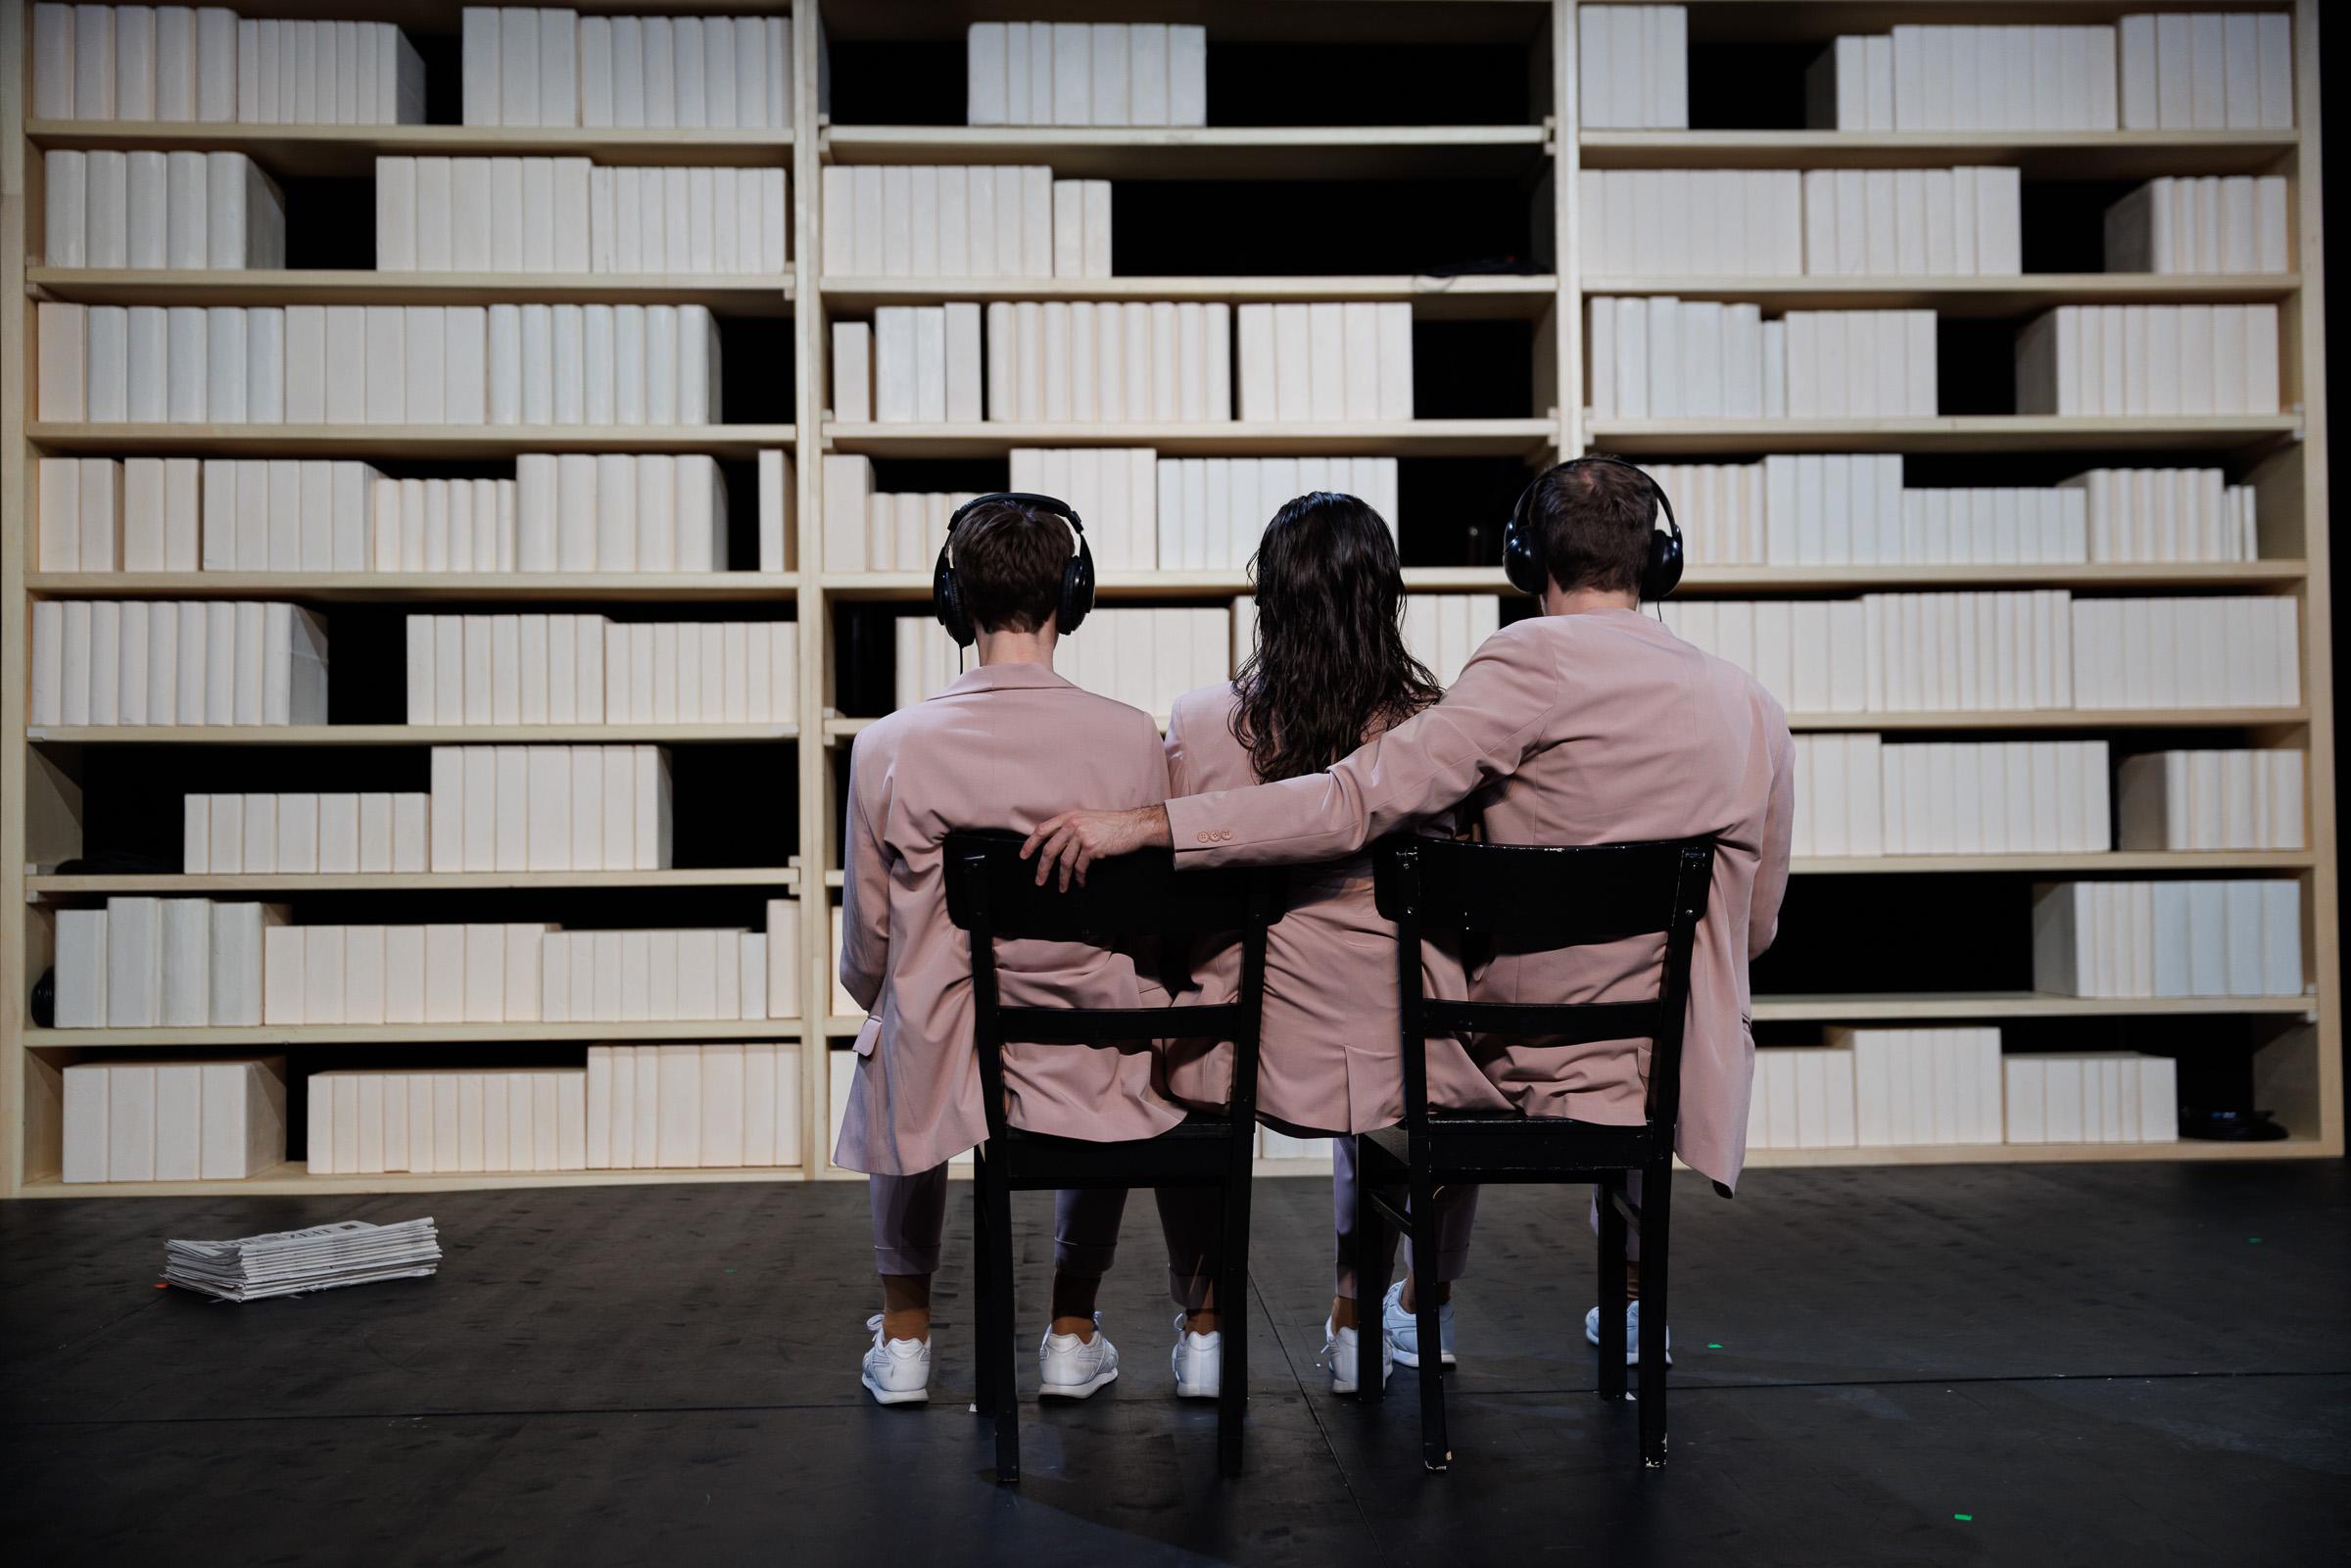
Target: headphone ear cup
{"x": 947, "y": 602}
{"x": 1077, "y": 589}
{"x": 1664, "y": 573}
{"x": 1519, "y": 562}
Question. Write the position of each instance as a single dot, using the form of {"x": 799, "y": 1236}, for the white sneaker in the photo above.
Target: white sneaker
{"x": 896, "y": 1371}
{"x": 1632, "y": 1333}
{"x": 1199, "y": 1363}
{"x": 1071, "y": 1368}
{"x": 1403, "y": 1329}
{"x": 1340, "y": 1350}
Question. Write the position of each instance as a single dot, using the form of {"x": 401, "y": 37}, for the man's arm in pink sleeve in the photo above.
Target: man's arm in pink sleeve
{"x": 1779, "y": 834}
{"x": 864, "y": 894}
{"x": 1495, "y": 715}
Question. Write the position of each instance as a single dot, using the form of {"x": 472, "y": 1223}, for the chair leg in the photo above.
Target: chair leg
{"x": 1656, "y": 1204}
{"x": 1436, "y": 1453}
{"x": 1001, "y": 1338}
{"x": 1612, "y": 1287}
{"x": 1370, "y": 1243}
{"x": 983, "y": 1305}
{"x": 1233, "y": 1307}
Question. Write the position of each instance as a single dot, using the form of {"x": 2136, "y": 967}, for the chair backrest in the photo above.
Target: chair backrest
{"x": 1527, "y": 898}
{"x": 993, "y": 894}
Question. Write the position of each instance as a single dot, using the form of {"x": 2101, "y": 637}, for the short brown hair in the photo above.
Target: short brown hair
{"x": 1595, "y": 520}
{"x": 1009, "y": 558}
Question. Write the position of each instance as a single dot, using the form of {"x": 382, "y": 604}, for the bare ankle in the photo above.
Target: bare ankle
{"x": 1082, "y": 1327}
{"x": 1204, "y": 1322}
{"x": 1342, "y": 1311}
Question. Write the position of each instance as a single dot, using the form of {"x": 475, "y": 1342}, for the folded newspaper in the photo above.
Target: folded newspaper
{"x": 286, "y": 1262}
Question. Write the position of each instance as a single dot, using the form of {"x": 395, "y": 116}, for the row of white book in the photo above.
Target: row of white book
{"x": 1326, "y": 361}
{"x": 178, "y": 64}
{"x": 1633, "y": 68}
{"x": 1128, "y": 362}
{"x": 173, "y": 1120}
{"x": 637, "y": 512}
{"x": 1970, "y": 77}
{"x": 176, "y": 662}
{"x": 2234, "y": 651}
{"x": 2208, "y": 71}
{"x": 2127, "y": 359}
{"x": 2167, "y": 514}
{"x": 1895, "y": 1088}
{"x": 462, "y": 364}
{"x": 1856, "y": 795}
{"x": 952, "y": 221}
{"x": 551, "y": 65}
{"x": 912, "y": 363}
{"x": 1440, "y": 630}
{"x": 1660, "y": 358}
{"x": 194, "y": 211}
{"x": 453, "y": 1120}
{"x": 551, "y": 808}
{"x": 1707, "y": 222}
{"x": 1113, "y": 488}
{"x": 1896, "y": 653}
{"x": 304, "y": 833}
{"x": 652, "y": 1106}
{"x": 566, "y": 214}
{"x": 1145, "y": 659}
{"x": 2195, "y": 937}
{"x": 901, "y": 531}
{"x": 2211, "y": 800}
{"x": 2209, "y": 224}
{"x": 1212, "y": 510}
{"x": 1079, "y": 74}
{"x": 589, "y": 669}
{"x": 143, "y": 962}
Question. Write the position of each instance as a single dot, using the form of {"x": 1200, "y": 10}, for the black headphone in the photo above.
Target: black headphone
{"x": 1522, "y": 548}
{"x": 1077, "y": 577}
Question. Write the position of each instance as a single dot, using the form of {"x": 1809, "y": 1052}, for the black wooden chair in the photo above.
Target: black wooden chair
{"x": 1520, "y": 899}
{"x": 993, "y": 894}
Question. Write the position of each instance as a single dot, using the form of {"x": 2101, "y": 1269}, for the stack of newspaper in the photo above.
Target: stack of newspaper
{"x": 285, "y": 1263}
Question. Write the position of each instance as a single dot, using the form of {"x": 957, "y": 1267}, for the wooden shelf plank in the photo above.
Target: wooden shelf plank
{"x": 2059, "y": 719}
{"x": 2212, "y": 433}
{"x": 279, "y": 1036}
{"x": 2030, "y": 1154}
{"x": 351, "y": 151}
{"x": 2026, "y": 294}
{"x": 1365, "y": 438}
{"x": 293, "y": 1178}
{"x": 365, "y": 587}
{"x": 1866, "y": 1008}
{"x": 2047, "y": 153}
{"x": 403, "y": 735}
{"x": 2116, "y": 862}
{"x": 189, "y": 885}
{"x": 725, "y": 294}
{"x": 1467, "y": 296}
{"x": 1202, "y": 151}
{"x": 401, "y": 441}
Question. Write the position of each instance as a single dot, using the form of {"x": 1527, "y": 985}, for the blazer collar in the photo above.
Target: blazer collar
{"x": 1004, "y": 677}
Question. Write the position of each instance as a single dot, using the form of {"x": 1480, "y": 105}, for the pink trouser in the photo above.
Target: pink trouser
{"x": 1456, "y": 1216}
{"x": 909, "y": 1213}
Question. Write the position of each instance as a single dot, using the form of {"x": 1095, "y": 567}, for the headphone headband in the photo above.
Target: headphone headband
{"x": 1077, "y": 596}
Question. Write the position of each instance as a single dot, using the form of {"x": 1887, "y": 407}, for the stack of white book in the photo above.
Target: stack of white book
{"x": 1075, "y": 74}
{"x": 101, "y": 514}
{"x": 2215, "y": 223}
{"x": 1936, "y": 222}
{"x": 1967, "y": 78}
{"x": 342, "y": 975}
{"x": 623, "y": 365}
{"x": 1633, "y": 67}
{"x": 1813, "y": 656}
{"x": 180, "y": 64}
{"x": 949, "y": 222}
{"x": 194, "y": 211}
{"x": 2092, "y": 1097}
{"x": 1145, "y": 658}
{"x": 622, "y": 977}
{"x": 1662, "y": 357}
{"x": 1834, "y": 509}
{"x": 1923, "y": 1086}
{"x": 565, "y": 215}
{"x": 526, "y": 1118}
{"x": 622, "y": 512}
{"x": 2208, "y": 71}
{"x": 1912, "y": 222}
{"x": 442, "y": 525}
{"x": 140, "y": 963}
{"x": 1801, "y": 1098}
{"x": 2211, "y": 800}
{"x": 176, "y": 1120}
{"x": 2229, "y": 652}
{"x": 1721, "y": 507}
{"x": 1895, "y": 653}
{"x": 2169, "y": 938}
{"x": 1443, "y": 630}
{"x": 348, "y": 1251}
{"x": 1114, "y": 489}
{"x": 551, "y": 808}
{"x": 1859, "y": 796}
{"x": 652, "y": 1107}
{"x": 299, "y": 832}
{"x": 2110, "y": 359}
{"x": 1116, "y": 363}
{"x": 133, "y": 661}
{"x": 1323, "y": 361}
{"x": 1840, "y": 795}
{"x": 878, "y": 531}
{"x": 915, "y": 364}
{"x": 1213, "y": 511}
{"x": 588, "y": 669}
{"x": 2042, "y": 526}
{"x": 549, "y": 66}
{"x": 2168, "y": 514}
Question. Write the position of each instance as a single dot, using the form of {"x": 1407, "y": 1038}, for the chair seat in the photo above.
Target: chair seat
{"x": 1194, "y": 1151}
{"x": 1512, "y": 1148}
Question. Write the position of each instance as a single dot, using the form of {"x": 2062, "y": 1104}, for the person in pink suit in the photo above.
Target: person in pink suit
{"x": 1586, "y": 724}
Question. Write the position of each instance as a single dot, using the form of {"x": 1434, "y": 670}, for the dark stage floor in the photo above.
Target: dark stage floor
{"x": 2141, "y": 1364}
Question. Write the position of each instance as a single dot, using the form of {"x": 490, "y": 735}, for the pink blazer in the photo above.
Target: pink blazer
{"x": 1575, "y": 730}
{"x": 1327, "y": 1057}
{"x": 1005, "y": 745}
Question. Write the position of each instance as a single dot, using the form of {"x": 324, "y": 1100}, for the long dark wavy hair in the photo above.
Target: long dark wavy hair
{"x": 1328, "y": 668}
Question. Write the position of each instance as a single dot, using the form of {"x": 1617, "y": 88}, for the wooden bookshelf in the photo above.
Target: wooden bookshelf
{"x": 2284, "y": 455}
